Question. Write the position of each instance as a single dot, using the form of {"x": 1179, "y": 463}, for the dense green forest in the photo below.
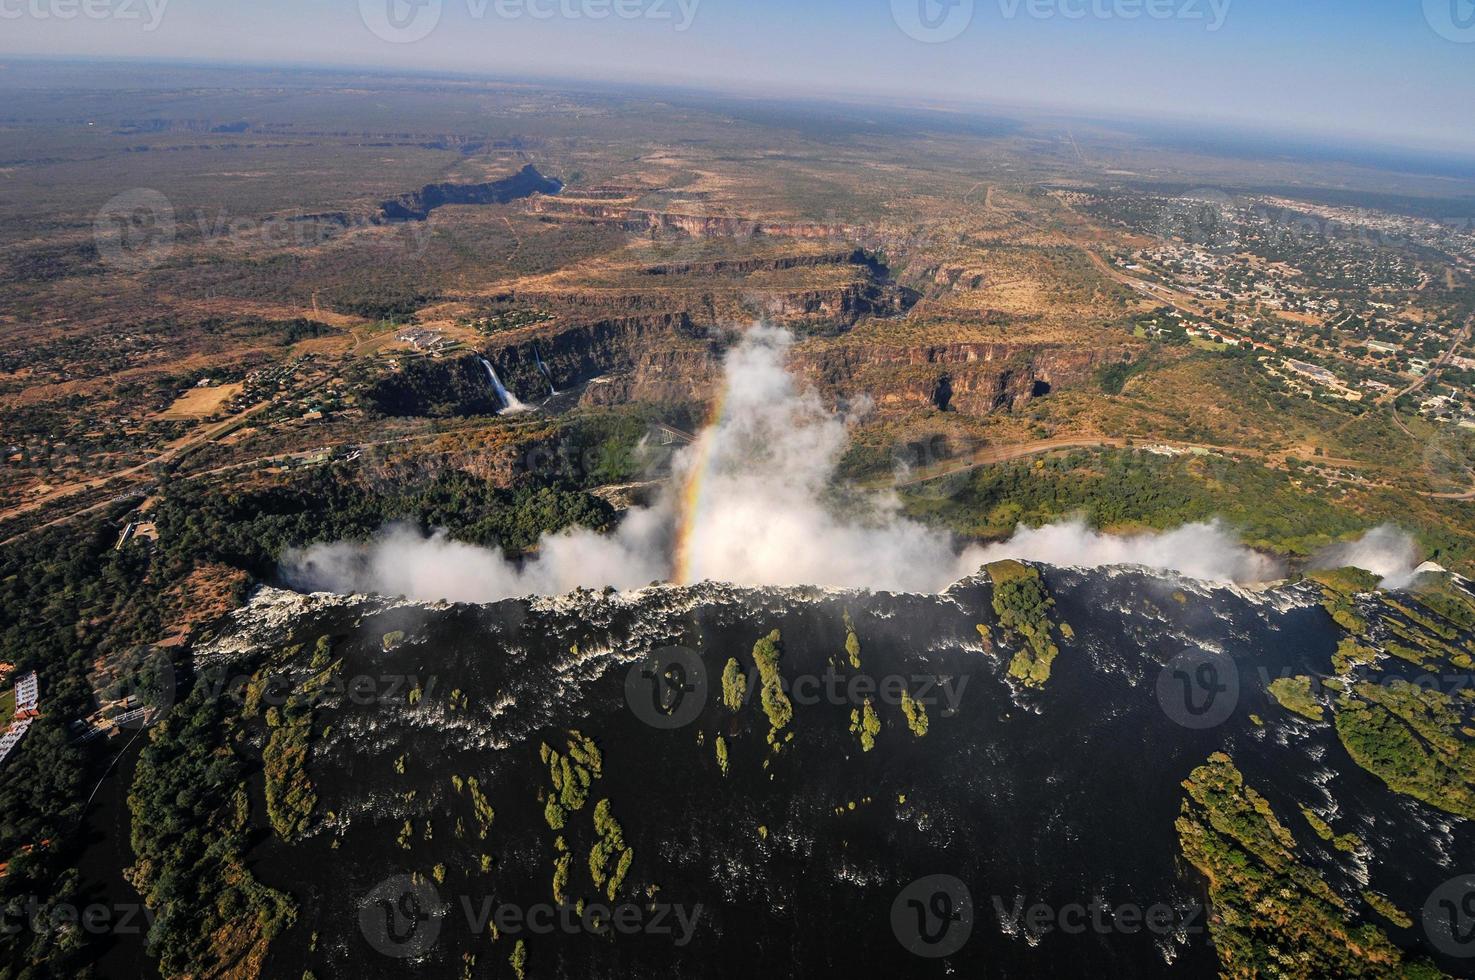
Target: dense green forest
{"x": 68, "y": 599}
{"x": 1124, "y": 489}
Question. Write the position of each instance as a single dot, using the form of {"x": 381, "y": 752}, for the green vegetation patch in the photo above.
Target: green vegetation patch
{"x": 722, "y": 760}
{"x": 916, "y": 714}
{"x": 571, "y": 775}
{"x": 865, "y": 725}
{"x": 1441, "y": 596}
{"x": 1384, "y": 906}
{"x": 1023, "y": 606}
{"x": 1411, "y": 738}
{"x": 609, "y": 858}
{"x": 1127, "y": 490}
{"x": 1274, "y": 916}
{"x": 734, "y": 685}
{"x": 290, "y": 798}
{"x": 191, "y": 832}
{"x": 852, "y": 642}
{"x": 1296, "y": 694}
{"x": 776, "y": 704}
{"x": 1339, "y": 589}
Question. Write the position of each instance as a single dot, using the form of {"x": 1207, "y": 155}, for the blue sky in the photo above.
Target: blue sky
{"x": 1395, "y": 71}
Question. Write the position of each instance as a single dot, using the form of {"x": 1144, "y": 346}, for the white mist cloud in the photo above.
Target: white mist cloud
{"x": 1386, "y": 551}
{"x": 1203, "y": 551}
{"x": 762, "y": 518}
{"x": 402, "y": 561}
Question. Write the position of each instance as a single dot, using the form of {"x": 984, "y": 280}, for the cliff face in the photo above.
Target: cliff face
{"x": 844, "y": 304}
{"x": 775, "y": 263}
{"x": 973, "y": 379}
{"x": 695, "y": 225}
{"x": 499, "y": 466}
{"x": 660, "y": 357}
{"x": 843, "y": 286}
{"x": 436, "y": 389}
{"x": 418, "y": 205}
{"x": 667, "y": 358}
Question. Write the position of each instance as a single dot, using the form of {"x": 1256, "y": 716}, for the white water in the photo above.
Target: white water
{"x": 509, "y": 400}
{"x": 552, "y": 388}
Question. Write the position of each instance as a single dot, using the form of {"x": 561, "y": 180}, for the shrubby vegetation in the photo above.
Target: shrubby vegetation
{"x": 1274, "y": 915}
{"x": 290, "y": 799}
{"x": 776, "y": 704}
{"x": 610, "y": 847}
{"x": 1410, "y": 737}
{"x": 1114, "y": 377}
{"x": 1123, "y": 490}
{"x": 916, "y": 714}
{"x": 734, "y": 685}
{"x": 852, "y": 642}
{"x": 1340, "y": 588}
{"x": 1023, "y": 606}
{"x": 191, "y": 831}
{"x": 67, "y": 598}
{"x": 571, "y": 776}
{"x": 251, "y": 528}
{"x": 865, "y": 725}
{"x": 1295, "y": 694}
{"x": 1417, "y": 739}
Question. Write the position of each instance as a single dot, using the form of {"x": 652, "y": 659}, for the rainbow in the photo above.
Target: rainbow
{"x": 690, "y": 501}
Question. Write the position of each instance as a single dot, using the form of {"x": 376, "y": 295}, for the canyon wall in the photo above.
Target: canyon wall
{"x": 668, "y": 358}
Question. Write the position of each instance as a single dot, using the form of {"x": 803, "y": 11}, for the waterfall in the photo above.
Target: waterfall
{"x": 508, "y": 399}
{"x": 552, "y": 389}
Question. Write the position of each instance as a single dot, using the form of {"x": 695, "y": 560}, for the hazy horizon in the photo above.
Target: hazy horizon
{"x": 1388, "y": 74}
